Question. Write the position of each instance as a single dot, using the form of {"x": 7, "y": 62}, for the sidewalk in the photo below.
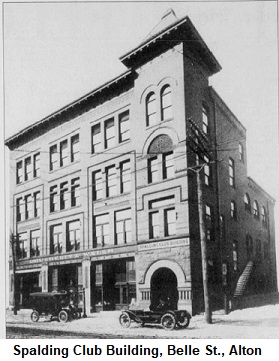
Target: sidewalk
{"x": 259, "y": 322}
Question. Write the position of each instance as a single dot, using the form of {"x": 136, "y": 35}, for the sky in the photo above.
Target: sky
{"x": 57, "y": 52}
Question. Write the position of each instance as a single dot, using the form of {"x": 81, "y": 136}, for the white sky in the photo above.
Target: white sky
{"x": 55, "y": 53}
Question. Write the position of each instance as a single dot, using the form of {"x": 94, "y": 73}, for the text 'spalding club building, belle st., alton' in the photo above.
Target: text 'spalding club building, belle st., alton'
{"x": 104, "y": 192}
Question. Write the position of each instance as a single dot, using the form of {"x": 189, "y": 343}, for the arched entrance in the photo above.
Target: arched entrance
{"x": 163, "y": 284}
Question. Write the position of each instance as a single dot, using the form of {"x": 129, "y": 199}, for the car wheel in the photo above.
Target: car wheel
{"x": 168, "y": 321}
{"x": 125, "y": 320}
{"x": 183, "y": 322}
{"x": 63, "y": 316}
{"x": 35, "y": 316}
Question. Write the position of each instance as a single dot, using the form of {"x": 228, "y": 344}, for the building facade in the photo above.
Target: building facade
{"x": 104, "y": 192}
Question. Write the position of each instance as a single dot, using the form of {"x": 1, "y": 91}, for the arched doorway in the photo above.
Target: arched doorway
{"x": 163, "y": 284}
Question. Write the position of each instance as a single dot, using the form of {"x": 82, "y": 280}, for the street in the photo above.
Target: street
{"x": 259, "y": 322}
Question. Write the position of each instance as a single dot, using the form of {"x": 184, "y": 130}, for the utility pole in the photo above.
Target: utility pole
{"x": 13, "y": 245}
{"x": 197, "y": 142}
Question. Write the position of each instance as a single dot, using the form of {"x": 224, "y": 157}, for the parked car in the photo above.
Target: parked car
{"x": 168, "y": 319}
{"x": 53, "y": 305}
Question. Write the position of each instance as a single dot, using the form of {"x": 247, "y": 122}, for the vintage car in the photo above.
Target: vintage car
{"x": 53, "y": 305}
{"x": 168, "y": 319}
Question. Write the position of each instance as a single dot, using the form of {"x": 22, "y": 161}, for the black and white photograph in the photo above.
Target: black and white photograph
{"x": 141, "y": 170}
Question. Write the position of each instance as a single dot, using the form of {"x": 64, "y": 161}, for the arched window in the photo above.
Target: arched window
{"x": 256, "y": 210}
{"x": 264, "y": 217}
{"x": 247, "y": 202}
{"x": 150, "y": 109}
{"x": 233, "y": 210}
{"x": 166, "y": 103}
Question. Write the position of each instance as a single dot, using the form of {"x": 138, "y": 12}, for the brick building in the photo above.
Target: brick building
{"x": 104, "y": 191}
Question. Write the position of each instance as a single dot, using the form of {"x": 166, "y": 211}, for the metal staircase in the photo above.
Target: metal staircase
{"x": 243, "y": 280}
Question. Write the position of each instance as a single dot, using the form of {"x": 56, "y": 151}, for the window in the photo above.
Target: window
{"x": 247, "y": 202}
{"x": 209, "y": 223}
{"x": 20, "y": 208}
{"x": 56, "y": 239}
{"x": 170, "y": 222}
{"x": 75, "y": 192}
{"x": 264, "y": 217}
{"x": 53, "y": 157}
{"x": 123, "y": 226}
{"x": 73, "y": 236}
{"x": 102, "y": 237}
{"x": 256, "y": 210}
{"x": 205, "y": 119}
{"x": 150, "y": 109}
{"x": 109, "y": 133}
{"x": 241, "y": 152}
{"x": 207, "y": 172}
{"x": 64, "y": 196}
{"x": 249, "y": 246}
{"x": 64, "y": 153}
{"x": 37, "y": 206}
{"x": 168, "y": 165}
{"x": 153, "y": 170}
{"x": 53, "y": 199}
{"x": 124, "y": 127}
{"x": 19, "y": 172}
{"x": 231, "y": 172}
{"x": 154, "y": 225}
{"x": 22, "y": 245}
{"x": 35, "y": 243}
{"x": 125, "y": 177}
{"x": 97, "y": 184}
{"x": 222, "y": 229}
{"x": 111, "y": 181}
{"x": 28, "y": 206}
{"x": 166, "y": 103}
{"x": 233, "y": 210}
{"x": 28, "y": 168}
{"x": 36, "y": 165}
{"x": 235, "y": 256}
{"x": 75, "y": 148}
{"x": 96, "y": 138}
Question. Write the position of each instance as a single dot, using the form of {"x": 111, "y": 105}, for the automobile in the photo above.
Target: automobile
{"x": 53, "y": 305}
{"x": 168, "y": 319}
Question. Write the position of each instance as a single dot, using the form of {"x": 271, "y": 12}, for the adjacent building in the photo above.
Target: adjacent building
{"x": 104, "y": 191}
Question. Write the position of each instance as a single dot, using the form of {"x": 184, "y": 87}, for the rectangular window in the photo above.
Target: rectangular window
{"x": 75, "y": 148}
{"x": 102, "y": 238}
{"x": 19, "y": 172}
{"x": 154, "y": 225}
{"x": 124, "y": 127}
{"x": 205, "y": 120}
{"x": 73, "y": 236}
{"x": 111, "y": 181}
{"x": 109, "y": 133}
{"x": 209, "y": 222}
{"x": 233, "y": 210}
{"x": 125, "y": 177}
{"x": 96, "y": 138}
{"x": 75, "y": 192}
{"x": 235, "y": 255}
{"x": 53, "y": 199}
{"x": 170, "y": 222}
{"x": 28, "y": 206}
{"x": 53, "y": 157}
{"x": 168, "y": 165}
{"x": 20, "y": 209}
{"x": 153, "y": 170}
{"x": 241, "y": 152}
{"x": 123, "y": 226}
{"x": 207, "y": 172}
{"x": 28, "y": 168}
{"x": 64, "y": 196}
{"x": 37, "y": 205}
{"x": 35, "y": 243}
{"x": 64, "y": 153}
{"x": 36, "y": 165}
{"x": 56, "y": 239}
{"x": 22, "y": 245}
{"x": 231, "y": 172}
{"x": 97, "y": 185}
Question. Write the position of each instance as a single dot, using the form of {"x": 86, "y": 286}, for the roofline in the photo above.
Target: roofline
{"x": 68, "y": 106}
{"x": 261, "y": 189}
{"x": 167, "y": 30}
